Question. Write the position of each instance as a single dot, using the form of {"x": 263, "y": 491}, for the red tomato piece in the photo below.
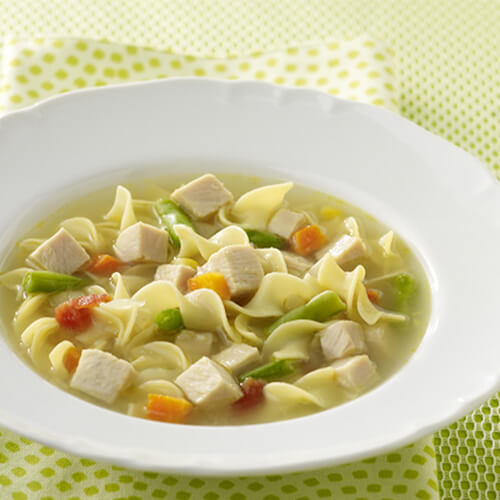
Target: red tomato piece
{"x": 252, "y": 394}
{"x": 70, "y": 317}
{"x": 75, "y": 313}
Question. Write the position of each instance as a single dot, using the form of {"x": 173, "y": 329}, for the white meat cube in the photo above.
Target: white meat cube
{"x": 142, "y": 242}
{"x": 61, "y": 253}
{"x": 342, "y": 338}
{"x": 208, "y": 384}
{"x": 356, "y": 373}
{"x": 296, "y": 264}
{"x": 240, "y": 267}
{"x": 177, "y": 274}
{"x": 195, "y": 344}
{"x": 345, "y": 249}
{"x": 378, "y": 340}
{"x": 238, "y": 357}
{"x": 285, "y": 222}
{"x": 102, "y": 375}
{"x": 203, "y": 196}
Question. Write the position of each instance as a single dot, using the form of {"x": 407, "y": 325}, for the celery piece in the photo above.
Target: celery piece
{"x": 320, "y": 308}
{"x": 49, "y": 282}
{"x": 271, "y": 371}
{"x": 171, "y": 214}
{"x": 263, "y": 239}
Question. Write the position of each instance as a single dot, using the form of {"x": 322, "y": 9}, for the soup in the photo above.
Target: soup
{"x": 213, "y": 300}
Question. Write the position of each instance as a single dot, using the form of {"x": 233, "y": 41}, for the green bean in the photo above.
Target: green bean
{"x": 48, "y": 282}
{"x": 171, "y": 214}
{"x": 271, "y": 371}
{"x": 320, "y": 308}
{"x": 169, "y": 320}
{"x": 405, "y": 288}
{"x": 263, "y": 239}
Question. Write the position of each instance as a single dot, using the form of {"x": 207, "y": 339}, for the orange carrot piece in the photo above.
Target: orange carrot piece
{"x": 373, "y": 295}
{"x": 71, "y": 359}
{"x": 167, "y": 409}
{"x": 213, "y": 281}
{"x": 104, "y": 265}
{"x": 307, "y": 240}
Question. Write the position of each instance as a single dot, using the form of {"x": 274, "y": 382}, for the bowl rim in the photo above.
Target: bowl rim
{"x": 219, "y": 465}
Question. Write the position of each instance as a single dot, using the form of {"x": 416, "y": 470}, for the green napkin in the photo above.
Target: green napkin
{"x": 359, "y": 69}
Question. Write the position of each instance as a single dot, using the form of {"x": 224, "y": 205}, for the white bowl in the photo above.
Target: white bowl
{"x": 436, "y": 196}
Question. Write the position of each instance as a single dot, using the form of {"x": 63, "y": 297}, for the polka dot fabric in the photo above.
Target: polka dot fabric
{"x": 31, "y": 471}
{"x": 358, "y": 69}
{"x": 446, "y": 54}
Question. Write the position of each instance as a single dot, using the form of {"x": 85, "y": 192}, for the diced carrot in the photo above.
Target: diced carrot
{"x": 167, "y": 409}
{"x": 373, "y": 295}
{"x": 213, "y": 281}
{"x": 104, "y": 265}
{"x": 75, "y": 313}
{"x": 307, "y": 240}
{"x": 71, "y": 359}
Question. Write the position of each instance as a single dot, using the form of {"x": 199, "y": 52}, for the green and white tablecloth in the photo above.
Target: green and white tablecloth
{"x": 445, "y": 75}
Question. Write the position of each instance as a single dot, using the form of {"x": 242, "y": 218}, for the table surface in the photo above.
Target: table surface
{"x": 447, "y": 54}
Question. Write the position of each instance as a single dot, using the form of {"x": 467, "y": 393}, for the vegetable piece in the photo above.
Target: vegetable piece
{"x": 373, "y": 295}
{"x": 308, "y": 240}
{"x": 213, "y": 281}
{"x": 264, "y": 239}
{"x": 253, "y": 394}
{"x": 48, "y": 282}
{"x": 271, "y": 371}
{"x": 167, "y": 408}
{"x": 171, "y": 214}
{"x": 104, "y": 265}
{"x": 169, "y": 320}
{"x": 71, "y": 359}
{"x": 75, "y": 313}
{"x": 320, "y": 308}
{"x": 405, "y": 288}
{"x": 329, "y": 213}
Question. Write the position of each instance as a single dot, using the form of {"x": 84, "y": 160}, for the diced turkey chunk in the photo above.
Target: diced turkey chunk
{"x": 61, "y": 253}
{"x": 238, "y": 357}
{"x": 356, "y": 373}
{"x": 208, "y": 384}
{"x": 378, "y": 341}
{"x": 102, "y": 375}
{"x": 285, "y": 222}
{"x": 195, "y": 344}
{"x": 345, "y": 249}
{"x": 177, "y": 274}
{"x": 240, "y": 267}
{"x": 296, "y": 264}
{"x": 142, "y": 242}
{"x": 342, "y": 338}
{"x": 203, "y": 196}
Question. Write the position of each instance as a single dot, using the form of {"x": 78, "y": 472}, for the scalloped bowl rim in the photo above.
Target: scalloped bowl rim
{"x": 284, "y": 128}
